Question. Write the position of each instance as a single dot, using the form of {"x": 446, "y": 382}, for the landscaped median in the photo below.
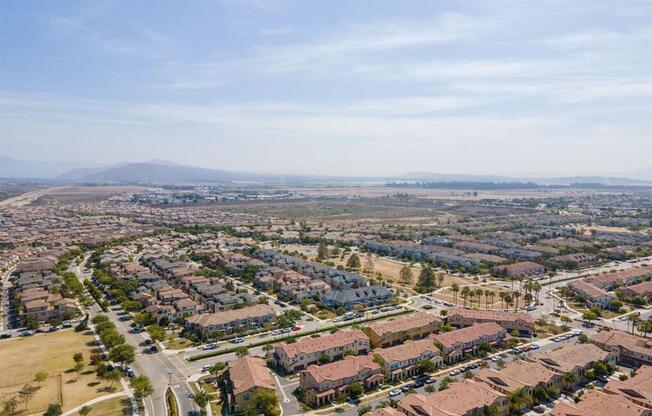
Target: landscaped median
{"x": 303, "y": 334}
{"x": 171, "y": 403}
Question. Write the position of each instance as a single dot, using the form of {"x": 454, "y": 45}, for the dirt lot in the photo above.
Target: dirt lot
{"x": 495, "y": 303}
{"x": 22, "y": 358}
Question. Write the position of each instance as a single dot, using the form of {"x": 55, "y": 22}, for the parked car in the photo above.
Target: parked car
{"x": 394, "y": 393}
{"x": 238, "y": 340}
{"x": 210, "y": 346}
{"x": 5, "y": 335}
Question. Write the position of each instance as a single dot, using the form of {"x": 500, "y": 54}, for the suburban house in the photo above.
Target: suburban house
{"x": 299, "y": 355}
{"x": 245, "y": 377}
{"x": 523, "y": 375}
{"x": 324, "y": 383}
{"x": 227, "y": 322}
{"x": 466, "y": 397}
{"x": 595, "y": 402}
{"x": 629, "y": 348}
{"x": 594, "y": 296}
{"x": 521, "y": 322}
{"x": 394, "y": 331}
{"x": 575, "y": 359}
{"x": 466, "y": 341}
{"x": 637, "y": 389}
{"x": 348, "y": 298}
{"x": 643, "y": 290}
{"x": 401, "y": 361}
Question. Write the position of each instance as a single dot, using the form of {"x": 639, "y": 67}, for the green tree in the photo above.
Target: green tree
{"x": 405, "y": 275}
{"x": 31, "y": 322}
{"x": 156, "y": 332}
{"x": 54, "y": 409}
{"x": 202, "y": 399}
{"x": 355, "y": 390}
{"x": 142, "y": 387}
{"x": 363, "y": 410}
{"x": 84, "y": 411}
{"x": 425, "y": 366}
{"x": 324, "y": 358}
{"x": 322, "y": 251}
{"x": 123, "y": 354}
{"x": 241, "y": 351}
{"x": 264, "y": 402}
{"x": 353, "y": 262}
{"x": 426, "y": 282}
{"x": 112, "y": 377}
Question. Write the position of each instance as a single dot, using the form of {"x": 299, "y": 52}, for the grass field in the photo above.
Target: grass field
{"x": 22, "y": 358}
{"x": 117, "y": 406}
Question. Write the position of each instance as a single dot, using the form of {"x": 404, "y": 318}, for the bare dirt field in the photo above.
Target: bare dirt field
{"x": 485, "y": 301}
{"x": 22, "y": 358}
{"x": 81, "y": 194}
{"x": 117, "y": 406}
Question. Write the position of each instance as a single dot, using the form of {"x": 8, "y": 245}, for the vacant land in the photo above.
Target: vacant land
{"x": 485, "y": 302}
{"x": 22, "y": 358}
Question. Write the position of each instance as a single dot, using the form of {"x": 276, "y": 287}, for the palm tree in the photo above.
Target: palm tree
{"x": 440, "y": 279}
{"x": 537, "y": 289}
{"x": 501, "y": 296}
{"x": 486, "y": 298}
{"x": 455, "y": 288}
{"x": 516, "y": 295}
{"x": 465, "y": 294}
{"x": 492, "y": 294}
{"x": 519, "y": 399}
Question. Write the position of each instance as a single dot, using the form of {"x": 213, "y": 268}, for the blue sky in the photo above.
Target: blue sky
{"x": 336, "y": 87}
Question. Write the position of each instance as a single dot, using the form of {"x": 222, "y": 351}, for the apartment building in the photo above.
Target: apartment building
{"x": 466, "y": 397}
{"x": 643, "y": 290}
{"x": 299, "y": 355}
{"x": 629, "y": 348}
{"x": 521, "y": 322}
{"x": 228, "y": 322}
{"x": 243, "y": 379}
{"x": 457, "y": 344}
{"x": 394, "y": 331}
{"x": 324, "y": 383}
{"x": 575, "y": 359}
{"x": 401, "y": 361}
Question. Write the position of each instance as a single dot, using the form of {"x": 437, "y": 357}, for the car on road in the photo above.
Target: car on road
{"x": 210, "y": 346}
{"x": 296, "y": 328}
{"x": 603, "y": 378}
{"x": 206, "y": 368}
{"x": 238, "y": 340}
{"x": 5, "y": 335}
{"x": 454, "y": 373}
{"x": 153, "y": 349}
{"x": 419, "y": 383}
{"x": 407, "y": 387}
{"x": 430, "y": 380}
{"x": 395, "y": 392}
{"x": 276, "y": 332}
{"x": 285, "y": 330}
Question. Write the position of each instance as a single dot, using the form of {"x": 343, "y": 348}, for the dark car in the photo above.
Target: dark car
{"x": 5, "y": 335}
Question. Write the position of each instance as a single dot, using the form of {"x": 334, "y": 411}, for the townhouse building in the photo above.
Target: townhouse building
{"x": 576, "y": 359}
{"x": 400, "y": 361}
{"x": 637, "y": 389}
{"x": 300, "y": 354}
{"x": 521, "y": 322}
{"x": 457, "y": 344}
{"x": 394, "y": 331}
{"x": 595, "y": 402}
{"x": 243, "y": 379}
{"x": 629, "y": 348}
{"x": 348, "y": 298}
{"x": 324, "y": 383}
{"x": 524, "y": 268}
{"x": 466, "y": 397}
{"x": 523, "y": 375}
{"x": 593, "y": 296}
{"x": 232, "y": 321}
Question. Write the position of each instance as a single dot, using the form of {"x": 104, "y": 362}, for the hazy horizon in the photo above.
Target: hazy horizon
{"x": 344, "y": 88}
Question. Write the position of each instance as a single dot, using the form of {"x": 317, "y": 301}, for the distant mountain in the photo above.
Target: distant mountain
{"x": 445, "y": 177}
{"x": 20, "y": 169}
{"x": 148, "y": 172}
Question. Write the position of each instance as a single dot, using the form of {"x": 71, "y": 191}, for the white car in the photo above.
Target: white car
{"x": 395, "y": 392}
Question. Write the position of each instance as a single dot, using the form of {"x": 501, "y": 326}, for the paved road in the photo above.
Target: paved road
{"x": 161, "y": 369}
{"x": 4, "y": 300}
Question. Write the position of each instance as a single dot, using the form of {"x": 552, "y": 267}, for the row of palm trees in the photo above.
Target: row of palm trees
{"x": 532, "y": 290}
